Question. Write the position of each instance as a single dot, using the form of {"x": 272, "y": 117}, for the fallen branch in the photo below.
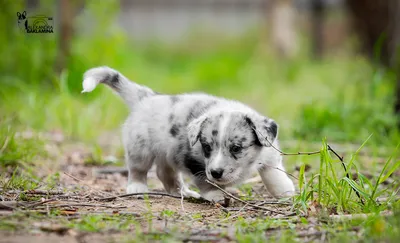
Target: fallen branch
{"x": 84, "y": 205}
{"x": 137, "y": 194}
{"x": 280, "y": 151}
{"x": 33, "y": 192}
{"x": 40, "y": 203}
{"x": 110, "y": 170}
{"x": 11, "y": 205}
{"x": 242, "y": 201}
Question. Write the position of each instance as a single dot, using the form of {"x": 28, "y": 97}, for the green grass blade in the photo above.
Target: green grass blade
{"x": 356, "y": 187}
{"x": 390, "y": 172}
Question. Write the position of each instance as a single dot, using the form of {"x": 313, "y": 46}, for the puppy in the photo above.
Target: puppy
{"x": 200, "y": 135}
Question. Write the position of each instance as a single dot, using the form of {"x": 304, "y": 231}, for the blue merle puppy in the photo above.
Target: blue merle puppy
{"x": 200, "y": 135}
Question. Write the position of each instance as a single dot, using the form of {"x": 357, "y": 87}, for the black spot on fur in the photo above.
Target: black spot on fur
{"x": 198, "y": 109}
{"x": 272, "y": 129}
{"x": 114, "y": 78}
{"x": 174, "y": 131}
{"x": 174, "y": 99}
{"x": 244, "y": 139}
{"x": 181, "y": 147}
{"x": 171, "y": 117}
{"x": 195, "y": 166}
{"x": 214, "y": 132}
{"x": 140, "y": 141}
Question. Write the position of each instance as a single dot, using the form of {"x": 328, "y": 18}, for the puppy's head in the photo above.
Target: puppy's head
{"x": 231, "y": 142}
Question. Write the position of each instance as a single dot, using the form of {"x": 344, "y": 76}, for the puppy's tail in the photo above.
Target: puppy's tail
{"x": 130, "y": 92}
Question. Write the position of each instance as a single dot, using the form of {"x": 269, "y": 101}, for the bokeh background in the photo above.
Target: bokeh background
{"x": 320, "y": 68}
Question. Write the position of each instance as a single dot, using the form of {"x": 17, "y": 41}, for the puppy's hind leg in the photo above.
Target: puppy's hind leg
{"x": 173, "y": 181}
{"x": 138, "y": 168}
{"x": 167, "y": 176}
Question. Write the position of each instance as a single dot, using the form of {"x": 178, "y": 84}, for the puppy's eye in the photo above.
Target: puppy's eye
{"x": 235, "y": 149}
{"x": 206, "y": 148}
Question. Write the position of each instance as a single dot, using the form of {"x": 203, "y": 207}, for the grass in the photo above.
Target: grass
{"x": 334, "y": 191}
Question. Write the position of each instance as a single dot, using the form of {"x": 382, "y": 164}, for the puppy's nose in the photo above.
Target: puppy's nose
{"x": 217, "y": 174}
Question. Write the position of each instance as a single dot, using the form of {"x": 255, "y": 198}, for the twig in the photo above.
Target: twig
{"x": 345, "y": 170}
{"x": 85, "y": 205}
{"x": 79, "y": 180}
{"x": 43, "y": 192}
{"x": 138, "y": 194}
{"x": 183, "y": 208}
{"x": 40, "y": 203}
{"x": 287, "y": 173}
{"x": 109, "y": 170}
{"x": 11, "y": 204}
{"x": 36, "y": 192}
{"x": 102, "y": 192}
{"x": 279, "y": 203}
{"x": 280, "y": 151}
{"x": 240, "y": 200}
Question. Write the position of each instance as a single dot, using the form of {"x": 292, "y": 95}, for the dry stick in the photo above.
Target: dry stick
{"x": 137, "y": 194}
{"x": 43, "y": 192}
{"x": 85, "y": 205}
{"x": 280, "y": 151}
{"x": 287, "y": 173}
{"x": 11, "y": 204}
{"x": 40, "y": 203}
{"x": 242, "y": 201}
{"x": 79, "y": 180}
{"x": 347, "y": 173}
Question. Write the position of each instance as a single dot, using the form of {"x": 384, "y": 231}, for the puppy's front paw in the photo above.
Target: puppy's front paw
{"x": 136, "y": 187}
{"x": 278, "y": 183}
{"x": 190, "y": 193}
{"x": 283, "y": 189}
{"x": 213, "y": 196}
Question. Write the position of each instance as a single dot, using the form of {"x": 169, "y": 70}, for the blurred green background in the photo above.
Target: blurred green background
{"x": 335, "y": 91}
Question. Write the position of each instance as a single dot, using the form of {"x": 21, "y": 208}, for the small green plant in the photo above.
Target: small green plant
{"x": 167, "y": 213}
{"x": 96, "y": 157}
{"x": 101, "y": 222}
{"x": 332, "y": 189}
{"x": 247, "y": 189}
{"x": 52, "y": 181}
{"x": 17, "y": 151}
{"x": 18, "y": 182}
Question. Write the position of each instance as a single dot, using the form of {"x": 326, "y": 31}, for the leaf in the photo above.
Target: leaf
{"x": 356, "y": 187}
{"x": 363, "y": 179}
{"x": 301, "y": 176}
{"x": 393, "y": 169}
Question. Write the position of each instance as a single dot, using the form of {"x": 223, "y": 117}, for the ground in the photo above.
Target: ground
{"x": 71, "y": 206}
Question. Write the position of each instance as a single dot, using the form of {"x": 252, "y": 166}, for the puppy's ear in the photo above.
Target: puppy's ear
{"x": 265, "y": 129}
{"x": 194, "y": 129}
